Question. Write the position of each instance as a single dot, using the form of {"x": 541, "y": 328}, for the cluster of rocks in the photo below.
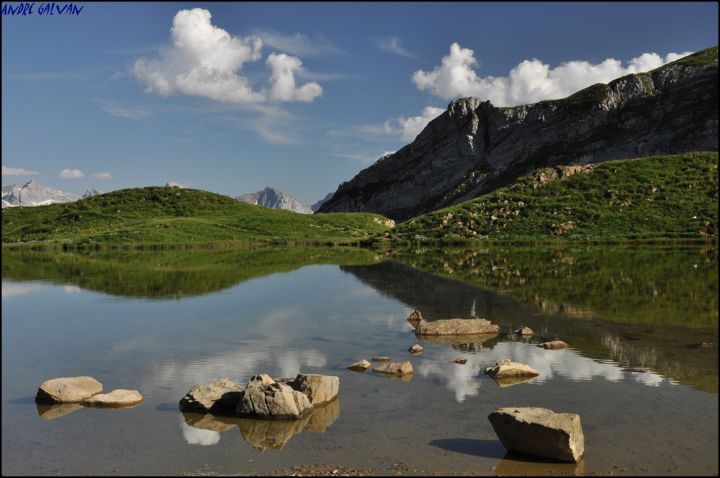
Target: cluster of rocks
{"x": 59, "y": 396}
{"x": 263, "y": 397}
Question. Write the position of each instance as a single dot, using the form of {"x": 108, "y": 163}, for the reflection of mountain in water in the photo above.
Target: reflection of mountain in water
{"x": 653, "y": 346}
{"x": 205, "y": 429}
{"x": 168, "y": 274}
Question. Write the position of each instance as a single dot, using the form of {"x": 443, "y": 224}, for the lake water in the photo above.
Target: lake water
{"x": 162, "y": 322}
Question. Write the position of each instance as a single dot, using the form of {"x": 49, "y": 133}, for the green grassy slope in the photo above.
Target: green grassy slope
{"x": 656, "y": 197}
{"x": 164, "y": 215}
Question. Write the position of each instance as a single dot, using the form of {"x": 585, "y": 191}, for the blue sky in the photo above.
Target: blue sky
{"x": 296, "y": 96}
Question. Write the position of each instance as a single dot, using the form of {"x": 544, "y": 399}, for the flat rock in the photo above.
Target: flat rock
{"x": 416, "y": 349}
{"x": 319, "y": 389}
{"x": 510, "y": 369}
{"x": 222, "y": 394}
{"x": 116, "y": 399}
{"x": 458, "y": 327}
{"x": 360, "y": 366}
{"x": 395, "y": 368}
{"x": 540, "y": 432}
{"x": 381, "y": 359}
{"x": 68, "y": 390}
{"x": 269, "y": 399}
{"x": 555, "y": 344}
{"x": 524, "y": 331}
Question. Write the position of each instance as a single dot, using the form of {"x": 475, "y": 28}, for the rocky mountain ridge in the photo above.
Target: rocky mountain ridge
{"x": 33, "y": 193}
{"x": 475, "y": 147}
{"x": 275, "y": 199}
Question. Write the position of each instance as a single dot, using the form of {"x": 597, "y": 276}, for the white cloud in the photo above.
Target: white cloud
{"x": 204, "y": 60}
{"x": 102, "y": 176}
{"x": 298, "y": 43}
{"x": 71, "y": 174}
{"x": 528, "y": 82}
{"x": 8, "y": 171}
{"x": 116, "y": 109}
{"x": 198, "y": 436}
{"x": 409, "y": 128}
{"x": 14, "y": 289}
{"x": 282, "y": 81}
{"x": 392, "y": 45}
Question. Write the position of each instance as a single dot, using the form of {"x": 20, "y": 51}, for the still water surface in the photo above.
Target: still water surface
{"x": 164, "y": 322}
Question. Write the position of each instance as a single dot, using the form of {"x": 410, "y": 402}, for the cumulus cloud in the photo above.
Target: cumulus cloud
{"x": 8, "y": 171}
{"x": 204, "y": 60}
{"x": 528, "y": 82}
{"x": 282, "y": 81}
{"x": 71, "y": 174}
{"x": 393, "y": 45}
{"x": 102, "y": 176}
{"x": 408, "y": 128}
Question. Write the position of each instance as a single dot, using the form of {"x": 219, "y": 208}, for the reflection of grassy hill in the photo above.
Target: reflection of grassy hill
{"x": 168, "y": 274}
{"x": 163, "y": 215}
{"x": 663, "y": 196}
{"x": 653, "y": 285}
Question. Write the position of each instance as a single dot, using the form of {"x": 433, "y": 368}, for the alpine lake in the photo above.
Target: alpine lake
{"x": 641, "y": 368}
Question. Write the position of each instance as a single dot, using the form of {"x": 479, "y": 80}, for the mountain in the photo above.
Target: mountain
{"x": 33, "y": 193}
{"x": 274, "y": 199}
{"x": 91, "y": 192}
{"x": 317, "y": 205}
{"x": 475, "y": 147}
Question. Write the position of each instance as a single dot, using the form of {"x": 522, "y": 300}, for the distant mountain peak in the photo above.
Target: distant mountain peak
{"x": 91, "y": 192}
{"x": 33, "y": 193}
{"x": 275, "y": 199}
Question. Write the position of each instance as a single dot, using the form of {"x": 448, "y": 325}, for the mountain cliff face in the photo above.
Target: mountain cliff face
{"x": 274, "y": 199}
{"x": 33, "y": 194}
{"x": 475, "y": 147}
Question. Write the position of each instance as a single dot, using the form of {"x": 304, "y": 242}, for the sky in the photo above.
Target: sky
{"x": 234, "y": 97}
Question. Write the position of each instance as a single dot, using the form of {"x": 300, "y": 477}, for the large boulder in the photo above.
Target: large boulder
{"x": 458, "y": 327}
{"x": 222, "y": 394}
{"x": 319, "y": 389}
{"x": 540, "y": 432}
{"x": 68, "y": 390}
{"x": 509, "y": 369}
{"x": 395, "y": 368}
{"x": 116, "y": 399}
{"x": 267, "y": 398}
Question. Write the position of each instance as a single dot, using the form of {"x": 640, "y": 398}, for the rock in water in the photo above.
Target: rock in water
{"x": 540, "y": 432}
{"x": 115, "y": 399}
{"x": 381, "y": 359}
{"x": 68, "y": 390}
{"x": 524, "y": 331}
{"x": 458, "y": 327}
{"x": 266, "y": 398}
{"x": 416, "y": 316}
{"x": 360, "y": 366}
{"x": 222, "y": 394}
{"x": 319, "y": 389}
{"x": 460, "y": 361}
{"x": 510, "y": 369}
{"x": 555, "y": 344}
{"x": 395, "y": 368}
{"x": 416, "y": 349}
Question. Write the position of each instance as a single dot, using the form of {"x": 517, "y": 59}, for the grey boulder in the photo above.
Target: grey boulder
{"x": 267, "y": 398}
{"x": 222, "y": 394}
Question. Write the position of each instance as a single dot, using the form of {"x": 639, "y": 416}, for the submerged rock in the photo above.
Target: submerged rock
{"x": 116, "y": 399}
{"x": 555, "y": 344}
{"x": 222, "y": 394}
{"x": 360, "y": 366}
{"x": 395, "y": 368}
{"x": 540, "y": 432}
{"x": 416, "y": 349}
{"x": 68, "y": 390}
{"x": 458, "y": 327}
{"x": 509, "y": 369}
{"x": 381, "y": 359}
{"x": 266, "y": 398}
{"x": 524, "y": 331}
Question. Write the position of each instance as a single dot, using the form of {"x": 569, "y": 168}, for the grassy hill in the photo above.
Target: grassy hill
{"x": 647, "y": 198}
{"x": 165, "y": 215}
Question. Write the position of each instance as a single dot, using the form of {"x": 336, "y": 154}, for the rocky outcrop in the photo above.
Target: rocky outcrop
{"x": 395, "y": 368}
{"x": 222, "y": 394}
{"x": 540, "y": 432}
{"x": 68, "y": 390}
{"x": 509, "y": 369}
{"x": 458, "y": 327}
{"x": 475, "y": 147}
{"x": 118, "y": 398}
{"x": 275, "y": 199}
{"x": 269, "y": 399}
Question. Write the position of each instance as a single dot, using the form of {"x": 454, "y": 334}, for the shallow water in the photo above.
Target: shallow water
{"x": 164, "y": 322}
